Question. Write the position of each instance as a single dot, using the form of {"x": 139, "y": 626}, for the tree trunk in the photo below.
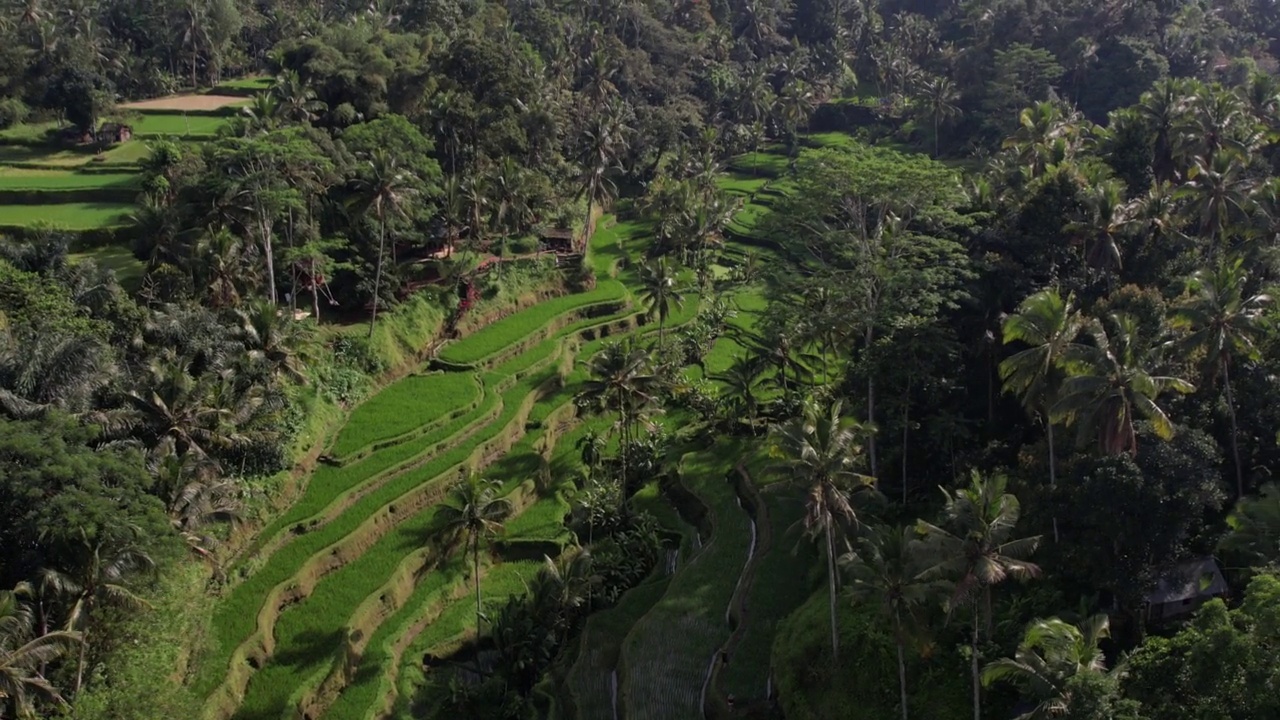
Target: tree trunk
{"x": 902, "y": 663}
{"x": 906, "y": 427}
{"x": 935, "y": 135}
{"x": 271, "y": 260}
{"x": 831, "y": 585}
{"x": 475, "y": 561}
{"x": 871, "y": 405}
{"x": 1235, "y": 439}
{"x": 1053, "y": 468}
{"x": 84, "y": 644}
{"x": 377, "y": 280}
{"x": 973, "y": 665}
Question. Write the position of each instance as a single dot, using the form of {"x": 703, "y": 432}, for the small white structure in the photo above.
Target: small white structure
{"x": 1183, "y": 589}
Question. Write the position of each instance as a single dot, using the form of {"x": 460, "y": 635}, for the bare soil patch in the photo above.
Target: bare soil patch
{"x": 185, "y": 102}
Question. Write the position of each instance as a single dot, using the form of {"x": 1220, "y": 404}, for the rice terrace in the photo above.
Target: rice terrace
{"x": 627, "y": 360}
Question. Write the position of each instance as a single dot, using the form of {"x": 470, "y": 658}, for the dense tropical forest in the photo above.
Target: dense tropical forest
{"x": 629, "y": 359}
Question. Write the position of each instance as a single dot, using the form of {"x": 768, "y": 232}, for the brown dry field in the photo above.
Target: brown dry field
{"x": 185, "y": 102}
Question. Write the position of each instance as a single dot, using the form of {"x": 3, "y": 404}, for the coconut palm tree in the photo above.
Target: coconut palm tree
{"x": 383, "y": 189}
{"x": 659, "y": 293}
{"x": 622, "y": 382}
{"x": 296, "y": 99}
{"x": 170, "y": 408}
{"x": 1112, "y": 383}
{"x": 24, "y": 651}
{"x": 101, "y": 582}
{"x": 1224, "y": 323}
{"x": 472, "y": 513}
{"x": 886, "y": 568}
{"x": 272, "y": 338}
{"x": 743, "y": 383}
{"x": 262, "y": 112}
{"x": 1217, "y": 196}
{"x": 939, "y": 96}
{"x": 1107, "y": 219}
{"x": 604, "y": 142}
{"x": 1162, "y": 108}
{"x": 974, "y": 548}
{"x": 820, "y": 450}
{"x": 1051, "y": 653}
{"x": 1050, "y": 325}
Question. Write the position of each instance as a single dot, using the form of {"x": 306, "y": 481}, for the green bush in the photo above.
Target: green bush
{"x": 864, "y": 684}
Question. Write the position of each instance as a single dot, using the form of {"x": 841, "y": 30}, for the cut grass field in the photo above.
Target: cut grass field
{"x": 405, "y": 406}
{"x": 67, "y": 216}
{"x": 668, "y": 652}
{"x": 177, "y": 124}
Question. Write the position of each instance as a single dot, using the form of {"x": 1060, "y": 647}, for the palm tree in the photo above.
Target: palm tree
{"x": 1051, "y": 654}
{"x": 170, "y": 409}
{"x": 1217, "y": 195}
{"x": 472, "y": 513}
{"x": 270, "y": 337}
{"x": 383, "y": 190}
{"x": 939, "y": 96}
{"x": 1224, "y": 324}
{"x": 100, "y": 583}
{"x": 591, "y": 447}
{"x": 604, "y": 142}
{"x": 742, "y": 384}
{"x": 820, "y": 450}
{"x": 262, "y": 111}
{"x": 659, "y": 293}
{"x": 296, "y": 100}
{"x": 975, "y": 550}
{"x": 621, "y": 381}
{"x": 1049, "y": 324}
{"x": 50, "y": 370}
{"x": 1107, "y": 219}
{"x": 1112, "y": 383}
{"x": 1162, "y": 108}
{"x": 886, "y": 569}
{"x": 24, "y": 651}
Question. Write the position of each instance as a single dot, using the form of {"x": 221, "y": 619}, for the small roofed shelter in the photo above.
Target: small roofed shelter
{"x": 558, "y": 240}
{"x": 1184, "y": 588}
{"x": 115, "y": 133}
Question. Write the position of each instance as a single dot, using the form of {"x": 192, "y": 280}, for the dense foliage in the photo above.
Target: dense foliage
{"x": 1022, "y": 252}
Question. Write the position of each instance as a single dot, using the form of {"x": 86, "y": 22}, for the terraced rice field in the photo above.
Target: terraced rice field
{"x": 177, "y": 124}
{"x": 47, "y": 180}
{"x": 667, "y": 655}
{"x": 67, "y": 216}
{"x": 340, "y": 597}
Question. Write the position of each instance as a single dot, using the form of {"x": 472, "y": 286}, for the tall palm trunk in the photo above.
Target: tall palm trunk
{"x": 1235, "y": 439}
{"x": 377, "y": 278}
{"x": 475, "y": 574}
{"x": 831, "y": 584}
{"x": 1053, "y": 468}
{"x": 902, "y": 662}
{"x": 973, "y": 667}
{"x": 871, "y": 405}
{"x": 269, "y": 251}
{"x": 906, "y": 428}
{"x": 84, "y": 643}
